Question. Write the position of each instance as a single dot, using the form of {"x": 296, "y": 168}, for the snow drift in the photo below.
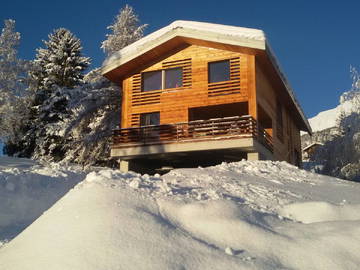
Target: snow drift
{"x": 27, "y": 189}
{"x": 244, "y": 215}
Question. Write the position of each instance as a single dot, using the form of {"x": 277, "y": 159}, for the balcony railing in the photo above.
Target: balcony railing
{"x": 200, "y": 130}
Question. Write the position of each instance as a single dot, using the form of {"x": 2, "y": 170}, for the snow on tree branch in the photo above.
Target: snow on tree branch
{"x": 125, "y": 30}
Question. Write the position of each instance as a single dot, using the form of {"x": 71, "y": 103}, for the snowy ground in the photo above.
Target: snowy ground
{"x": 244, "y": 215}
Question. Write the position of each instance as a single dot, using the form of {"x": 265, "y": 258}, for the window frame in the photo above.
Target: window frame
{"x": 163, "y": 79}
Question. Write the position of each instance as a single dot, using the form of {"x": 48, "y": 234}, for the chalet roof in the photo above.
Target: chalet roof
{"x": 311, "y": 145}
{"x": 224, "y": 34}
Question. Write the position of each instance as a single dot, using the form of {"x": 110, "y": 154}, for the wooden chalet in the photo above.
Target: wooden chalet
{"x": 309, "y": 150}
{"x": 196, "y": 93}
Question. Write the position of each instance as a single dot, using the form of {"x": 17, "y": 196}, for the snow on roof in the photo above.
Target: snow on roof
{"x": 311, "y": 145}
{"x": 233, "y": 35}
{"x": 246, "y": 37}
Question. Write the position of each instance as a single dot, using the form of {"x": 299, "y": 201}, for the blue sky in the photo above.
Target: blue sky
{"x": 315, "y": 41}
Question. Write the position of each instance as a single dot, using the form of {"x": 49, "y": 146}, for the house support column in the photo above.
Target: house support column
{"x": 253, "y": 156}
{"x": 124, "y": 165}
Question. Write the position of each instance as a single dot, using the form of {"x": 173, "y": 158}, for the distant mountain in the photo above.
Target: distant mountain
{"x": 328, "y": 119}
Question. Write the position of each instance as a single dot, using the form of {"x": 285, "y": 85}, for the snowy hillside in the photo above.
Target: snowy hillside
{"x": 244, "y": 215}
{"x": 327, "y": 119}
{"x": 27, "y": 189}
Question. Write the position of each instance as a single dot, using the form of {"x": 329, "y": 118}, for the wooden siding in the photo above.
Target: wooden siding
{"x": 269, "y": 99}
{"x": 173, "y": 104}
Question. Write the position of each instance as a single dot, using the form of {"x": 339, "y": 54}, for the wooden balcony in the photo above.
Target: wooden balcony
{"x": 201, "y": 130}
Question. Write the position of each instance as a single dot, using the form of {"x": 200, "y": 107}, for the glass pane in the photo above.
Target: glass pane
{"x": 147, "y": 119}
{"x": 219, "y": 71}
{"x": 173, "y": 78}
{"x": 151, "y": 81}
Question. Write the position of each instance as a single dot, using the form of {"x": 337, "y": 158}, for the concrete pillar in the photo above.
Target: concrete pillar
{"x": 253, "y": 156}
{"x": 124, "y": 165}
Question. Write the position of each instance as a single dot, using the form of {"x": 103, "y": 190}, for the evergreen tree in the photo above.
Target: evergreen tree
{"x": 96, "y": 109}
{"x": 13, "y": 98}
{"x": 95, "y": 113}
{"x": 125, "y": 30}
{"x": 58, "y": 70}
{"x": 60, "y": 63}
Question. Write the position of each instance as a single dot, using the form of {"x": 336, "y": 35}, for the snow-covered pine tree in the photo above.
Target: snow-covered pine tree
{"x": 95, "y": 113}
{"x": 96, "y": 110}
{"x": 13, "y": 98}
{"x": 61, "y": 62}
{"x": 58, "y": 70}
{"x": 126, "y": 29}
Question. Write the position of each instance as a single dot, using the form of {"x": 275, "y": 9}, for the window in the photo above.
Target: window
{"x": 148, "y": 119}
{"x": 151, "y": 81}
{"x": 151, "y": 120}
{"x": 219, "y": 71}
{"x": 173, "y": 78}
{"x": 162, "y": 79}
{"x": 279, "y": 121}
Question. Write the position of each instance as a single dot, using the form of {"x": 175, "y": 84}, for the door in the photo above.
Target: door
{"x": 149, "y": 123}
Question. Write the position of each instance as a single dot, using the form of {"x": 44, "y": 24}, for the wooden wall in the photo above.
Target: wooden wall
{"x": 268, "y": 98}
{"x": 173, "y": 104}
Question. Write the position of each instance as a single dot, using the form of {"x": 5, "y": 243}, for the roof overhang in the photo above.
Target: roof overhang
{"x": 182, "y": 33}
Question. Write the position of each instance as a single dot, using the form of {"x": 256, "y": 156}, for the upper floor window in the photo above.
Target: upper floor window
{"x": 173, "y": 78}
{"x": 151, "y": 80}
{"x": 219, "y": 71}
{"x": 162, "y": 79}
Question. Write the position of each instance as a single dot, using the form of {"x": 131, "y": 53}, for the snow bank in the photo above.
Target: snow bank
{"x": 310, "y": 212}
{"x": 102, "y": 226}
{"x": 242, "y": 215}
{"x": 264, "y": 238}
{"x": 27, "y": 189}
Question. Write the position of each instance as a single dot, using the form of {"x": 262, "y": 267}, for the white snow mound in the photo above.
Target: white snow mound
{"x": 243, "y": 215}
{"x": 309, "y": 212}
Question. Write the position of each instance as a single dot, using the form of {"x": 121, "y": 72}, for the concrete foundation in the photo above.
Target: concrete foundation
{"x": 253, "y": 156}
{"x": 124, "y": 165}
